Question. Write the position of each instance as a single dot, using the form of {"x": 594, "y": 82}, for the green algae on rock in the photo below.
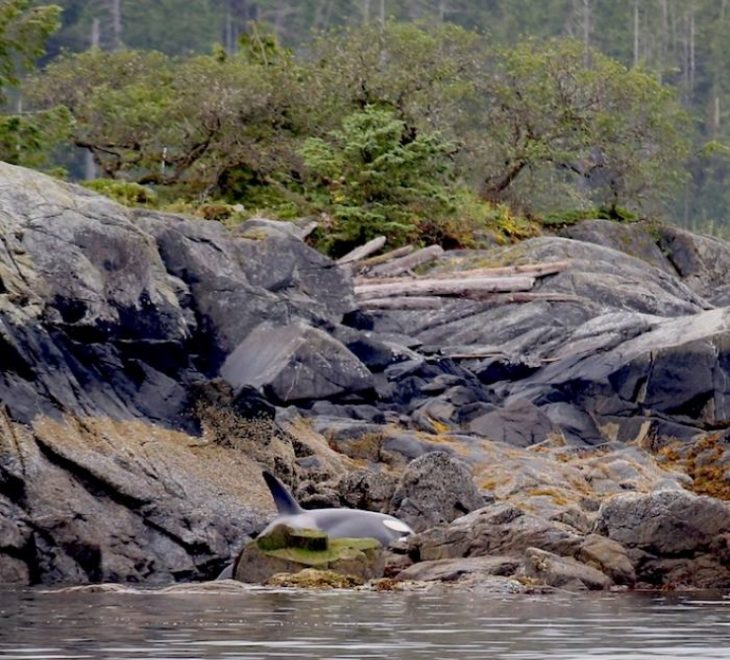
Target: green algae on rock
{"x": 287, "y": 550}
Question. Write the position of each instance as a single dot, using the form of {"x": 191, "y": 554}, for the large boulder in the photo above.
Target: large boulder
{"x": 665, "y": 523}
{"x": 95, "y": 500}
{"x": 295, "y": 362}
{"x": 434, "y": 489}
{"x": 498, "y": 528}
{"x": 110, "y": 311}
{"x": 287, "y": 550}
{"x": 675, "y": 537}
{"x": 670, "y": 380}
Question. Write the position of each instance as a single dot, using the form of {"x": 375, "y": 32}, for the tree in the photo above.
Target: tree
{"x": 375, "y": 179}
{"x": 23, "y": 31}
{"x": 193, "y": 122}
{"x": 613, "y": 135}
{"x": 26, "y": 138}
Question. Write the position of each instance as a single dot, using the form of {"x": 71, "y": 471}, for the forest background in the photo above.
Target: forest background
{"x": 430, "y": 120}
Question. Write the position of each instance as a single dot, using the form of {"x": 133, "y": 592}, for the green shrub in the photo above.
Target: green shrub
{"x": 124, "y": 192}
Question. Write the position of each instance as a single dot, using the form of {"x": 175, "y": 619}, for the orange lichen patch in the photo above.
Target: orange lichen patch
{"x": 301, "y": 429}
{"x": 438, "y": 426}
{"x": 704, "y": 462}
{"x": 135, "y": 458}
{"x": 368, "y": 446}
{"x": 556, "y": 495}
{"x": 488, "y": 484}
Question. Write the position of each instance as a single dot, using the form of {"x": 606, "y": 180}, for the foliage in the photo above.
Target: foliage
{"x": 385, "y": 129}
{"x": 27, "y": 139}
{"x": 375, "y": 179}
{"x": 124, "y": 192}
{"x": 23, "y": 31}
{"x": 558, "y": 110}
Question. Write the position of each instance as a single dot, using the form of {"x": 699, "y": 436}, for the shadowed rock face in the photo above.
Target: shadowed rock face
{"x": 107, "y": 311}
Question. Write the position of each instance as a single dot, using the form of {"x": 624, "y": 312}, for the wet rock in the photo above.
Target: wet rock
{"x": 609, "y": 557}
{"x": 675, "y": 538}
{"x": 451, "y": 570}
{"x": 312, "y": 578}
{"x": 434, "y": 489}
{"x": 284, "y": 550}
{"x": 563, "y": 572}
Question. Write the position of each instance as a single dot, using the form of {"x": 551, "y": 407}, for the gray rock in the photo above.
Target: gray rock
{"x": 452, "y": 570}
{"x": 639, "y": 239}
{"x": 434, "y": 489}
{"x": 294, "y": 363}
{"x": 260, "y": 228}
{"x": 665, "y": 523}
{"x": 519, "y": 423}
{"x": 497, "y": 528}
{"x": 364, "y": 489}
{"x": 563, "y": 572}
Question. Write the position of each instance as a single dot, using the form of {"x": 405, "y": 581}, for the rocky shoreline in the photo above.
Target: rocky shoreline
{"x": 154, "y": 363}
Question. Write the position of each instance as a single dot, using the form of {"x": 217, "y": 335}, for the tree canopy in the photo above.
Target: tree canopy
{"x": 384, "y": 129}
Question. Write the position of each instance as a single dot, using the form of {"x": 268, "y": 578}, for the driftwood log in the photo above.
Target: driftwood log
{"x": 363, "y": 251}
{"x": 410, "y": 261}
{"x": 436, "y": 302}
{"x": 529, "y": 270}
{"x": 365, "y": 264}
{"x": 435, "y": 287}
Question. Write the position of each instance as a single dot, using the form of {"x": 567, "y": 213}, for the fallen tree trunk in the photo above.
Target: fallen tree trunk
{"x": 362, "y": 251}
{"x": 404, "y": 302}
{"x": 417, "y": 258}
{"x": 436, "y": 287}
{"x": 383, "y": 258}
{"x": 408, "y": 303}
{"x": 529, "y": 270}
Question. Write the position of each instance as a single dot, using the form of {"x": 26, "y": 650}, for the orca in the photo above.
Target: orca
{"x": 336, "y": 523}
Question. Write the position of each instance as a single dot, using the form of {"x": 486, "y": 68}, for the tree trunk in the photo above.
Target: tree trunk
{"x": 116, "y": 10}
{"x": 636, "y": 33}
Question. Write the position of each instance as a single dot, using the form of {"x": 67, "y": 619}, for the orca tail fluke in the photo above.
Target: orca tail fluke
{"x": 285, "y": 503}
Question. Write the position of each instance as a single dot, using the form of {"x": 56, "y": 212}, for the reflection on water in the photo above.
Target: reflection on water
{"x": 266, "y": 624}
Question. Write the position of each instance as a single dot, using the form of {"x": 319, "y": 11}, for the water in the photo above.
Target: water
{"x": 266, "y": 624}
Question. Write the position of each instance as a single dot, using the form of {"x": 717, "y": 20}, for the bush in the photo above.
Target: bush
{"x": 124, "y": 192}
{"x": 374, "y": 177}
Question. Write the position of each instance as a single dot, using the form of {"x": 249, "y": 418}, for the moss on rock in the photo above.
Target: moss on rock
{"x": 287, "y": 550}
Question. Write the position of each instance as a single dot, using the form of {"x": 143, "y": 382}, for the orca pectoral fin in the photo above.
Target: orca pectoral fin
{"x": 285, "y": 503}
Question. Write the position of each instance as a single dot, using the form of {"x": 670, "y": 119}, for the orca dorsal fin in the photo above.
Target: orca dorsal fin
{"x": 285, "y": 503}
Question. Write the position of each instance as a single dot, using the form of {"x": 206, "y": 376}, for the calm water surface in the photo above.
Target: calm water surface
{"x": 265, "y": 624}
